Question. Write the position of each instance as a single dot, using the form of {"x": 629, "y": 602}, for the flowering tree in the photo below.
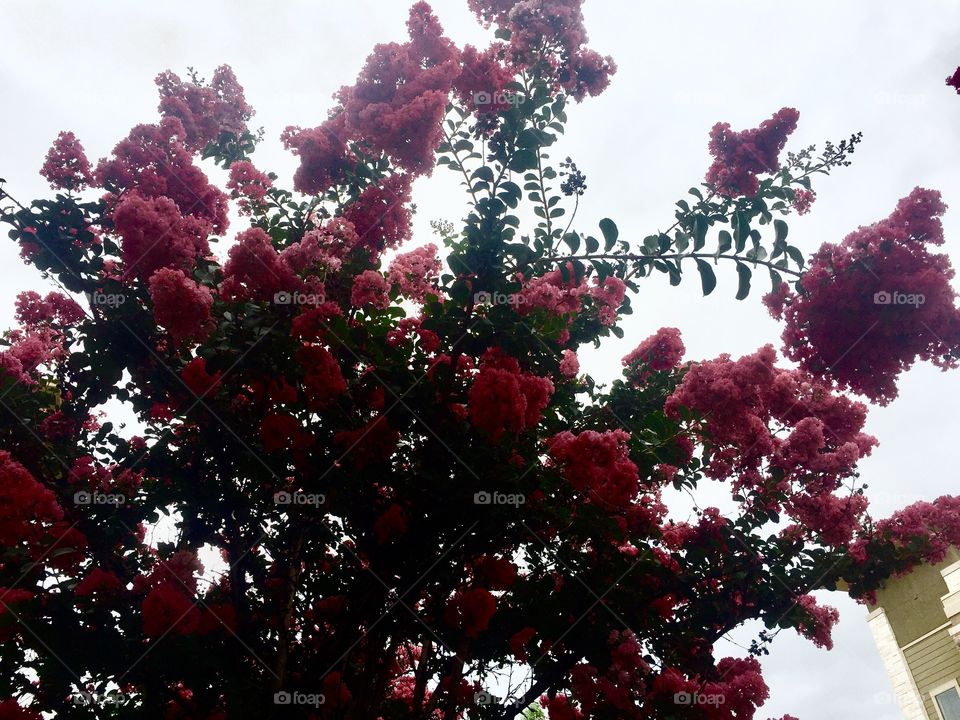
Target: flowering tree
{"x": 411, "y": 484}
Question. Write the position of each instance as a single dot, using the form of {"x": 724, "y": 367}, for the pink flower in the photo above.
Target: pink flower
{"x": 802, "y": 200}
{"x": 587, "y": 73}
{"x": 153, "y": 161}
{"x": 66, "y": 166}
{"x": 180, "y": 305}
{"x": 819, "y": 621}
{"x": 482, "y": 82}
{"x": 154, "y": 234}
{"x": 25, "y": 505}
{"x": 660, "y": 352}
{"x": 740, "y": 156}
{"x": 399, "y": 100}
{"x": 502, "y": 399}
{"x": 875, "y": 303}
{"x": 323, "y": 382}
{"x": 954, "y": 80}
{"x": 597, "y": 464}
{"x": 608, "y": 297}
{"x": 415, "y": 273}
{"x": 324, "y": 156}
{"x": 248, "y": 184}
{"x": 370, "y": 288}
{"x": 254, "y": 270}
{"x": 32, "y": 310}
{"x": 206, "y": 111}
{"x": 380, "y": 216}
{"x": 569, "y": 364}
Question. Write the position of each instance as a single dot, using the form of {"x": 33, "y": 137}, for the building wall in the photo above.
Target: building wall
{"x": 912, "y": 631}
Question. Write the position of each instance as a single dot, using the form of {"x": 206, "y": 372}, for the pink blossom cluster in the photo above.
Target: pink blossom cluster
{"x": 155, "y": 234}
{"x": 872, "y": 305}
{"x": 660, "y": 352}
{"x": 597, "y": 464}
{"x": 323, "y": 381}
{"x": 26, "y": 507}
{"x": 181, "y": 305}
{"x": 551, "y": 31}
{"x": 206, "y": 111}
{"x": 923, "y": 532}
{"x": 738, "y": 157}
{"x": 380, "y": 216}
{"x": 29, "y": 350}
{"x": 483, "y": 79}
{"x": 415, "y": 273}
{"x": 559, "y": 296}
{"x": 819, "y": 623}
{"x": 55, "y": 308}
{"x": 395, "y": 108}
{"x": 746, "y": 404}
{"x": 954, "y": 80}
{"x": 254, "y": 269}
{"x": 248, "y": 184}
{"x": 66, "y": 166}
{"x": 370, "y": 288}
{"x": 153, "y": 161}
{"x": 504, "y": 399}
{"x": 802, "y": 200}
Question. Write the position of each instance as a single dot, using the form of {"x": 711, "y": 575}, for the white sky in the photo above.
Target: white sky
{"x": 862, "y": 65}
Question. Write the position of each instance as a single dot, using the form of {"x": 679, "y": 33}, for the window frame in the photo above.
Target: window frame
{"x": 939, "y": 690}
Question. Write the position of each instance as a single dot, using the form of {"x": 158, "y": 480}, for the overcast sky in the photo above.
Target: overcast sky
{"x": 864, "y": 65}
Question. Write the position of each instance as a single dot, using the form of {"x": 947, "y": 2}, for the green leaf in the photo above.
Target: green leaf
{"x": 775, "y": 279}
{"x": 610, "y": 233}
{"x": 700, "y": 225}
{"x": 592, "y": 244}
{"x": 726, "y": 242}
{"x": 484, "y": 172}
{"x": 744, "y": 274}
{"x": 795, "y": 254}
{"x": 781, "y": 230}
{"x": 707, "y": 277}
{"x": 572, "y": 240}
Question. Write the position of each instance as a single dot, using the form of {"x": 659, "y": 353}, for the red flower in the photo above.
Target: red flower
{"x": 196, "y": 377}
{"x": 504, "y": 399}
{"x": 391, "y": 525}
{"x": 597, "y": 464}
{"x": 659, "y": 352}
{"x": 471, "y": 610}
{"x": 167, "y": 608}
{"x": 375, "y": 442}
